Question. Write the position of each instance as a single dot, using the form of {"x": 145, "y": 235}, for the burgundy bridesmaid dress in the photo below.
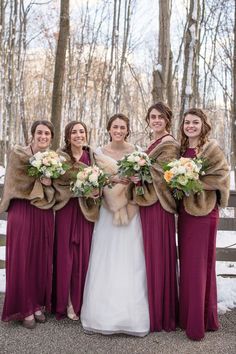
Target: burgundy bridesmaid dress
{"x": 158, "y": 227}
{"x": 73, "y": 236}
{"x": 29, "y": 251}
{"x": 197, "y": 252}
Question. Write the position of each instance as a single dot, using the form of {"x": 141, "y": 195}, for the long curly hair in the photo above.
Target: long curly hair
{"x": 67, "y": 135}
{"x": 205, "y": 131}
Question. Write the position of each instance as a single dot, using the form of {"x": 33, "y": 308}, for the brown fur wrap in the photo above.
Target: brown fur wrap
{"x": 89, "y": 208}
{"x": 21, "y": 186}
{"x": 158, "y": 189}
{"x": 115, "y": 198}
{"x": 217, "y": 176}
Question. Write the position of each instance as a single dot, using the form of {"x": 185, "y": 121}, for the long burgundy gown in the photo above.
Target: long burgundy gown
{"x": 158, "y": 227}
{"x": 29, "y": 251}
{"x": 197, "y": 252}
{"x": 73, "y": 236}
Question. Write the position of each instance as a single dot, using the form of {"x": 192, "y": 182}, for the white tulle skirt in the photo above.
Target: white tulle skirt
{"x": 115, "y": 294}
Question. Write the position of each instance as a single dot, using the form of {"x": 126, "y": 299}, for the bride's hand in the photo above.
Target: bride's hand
{"x": 117, "y": 179}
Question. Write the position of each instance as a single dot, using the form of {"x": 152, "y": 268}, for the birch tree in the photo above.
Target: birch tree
{"x": 188, "y": 92}
{"x": 233, "y": 154}
{"x": 59, "y": 71}
{"x": 162, "y": 75}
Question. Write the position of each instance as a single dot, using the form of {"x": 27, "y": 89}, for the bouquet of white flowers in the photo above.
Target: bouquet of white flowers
{"x": 89, "y": 179}
{"x": 182, "y": 176}
{"x": 136, "y": 164}
{"x": 47, "y": 164}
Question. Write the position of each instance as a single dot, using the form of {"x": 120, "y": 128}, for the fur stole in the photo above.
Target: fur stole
{"x": 19, "y": 185}
{"x": 216, "y": 176}
{"x": 115, "y": 198}
{"x": 89, "y": 208}
{"x": 158, "y": 189}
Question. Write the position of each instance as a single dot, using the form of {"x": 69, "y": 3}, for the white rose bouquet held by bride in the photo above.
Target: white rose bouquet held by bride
{"x": 183, "y": 175}
{"x": 136, "y": 164}
{"x": 88, "y": 180}
{"x": 47, "y": 164}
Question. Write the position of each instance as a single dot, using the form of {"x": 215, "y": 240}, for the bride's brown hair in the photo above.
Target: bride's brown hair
{"x": 122, "y": 117}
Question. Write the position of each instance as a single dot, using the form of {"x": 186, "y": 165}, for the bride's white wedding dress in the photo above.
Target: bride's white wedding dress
{"x": 115, "y": 294}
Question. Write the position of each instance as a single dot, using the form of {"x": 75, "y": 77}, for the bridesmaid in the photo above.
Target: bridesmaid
{"x": 29, "y": 246}
{"x": 73, "y": 227}
{"x": 157, "y": 209}
{"x": 197, "y": 227}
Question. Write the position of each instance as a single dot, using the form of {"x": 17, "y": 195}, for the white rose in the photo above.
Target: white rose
{"x": 131, "y": 158}
{"x": 47, "y": 174}
{"x": 181, "y": 170}
{"x": 93, "y": 177}
{"x": 36, "y": 163}
{"x": 136, "y": 167}
{"x": 78, "y": 183}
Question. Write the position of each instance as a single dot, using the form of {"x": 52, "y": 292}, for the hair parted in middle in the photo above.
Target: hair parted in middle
{"x": 67, "y": 136}
{"x": 122, "y": 117}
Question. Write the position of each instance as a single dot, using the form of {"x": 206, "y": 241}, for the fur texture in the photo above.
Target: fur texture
{"x": 217, "y": 176}
{"x": 21, "y": 186}
{"x": 88, "y": 206}
{"x": 158, "y": 190}
{"x": 115, "y": 198}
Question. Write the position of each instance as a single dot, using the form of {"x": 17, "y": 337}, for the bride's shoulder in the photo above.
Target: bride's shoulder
{"x": 98, "y": 150}
{"x": 130, "y": 147}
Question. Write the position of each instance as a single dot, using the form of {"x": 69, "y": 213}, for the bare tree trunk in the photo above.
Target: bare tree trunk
{"x": 161, "y": 76}
{"x": 189, "y": 84}
{"x": 59, "y": 71}
{"x": 233, "y": 154}
{"x": 123, "y": 55}
{"x": 111, "y": 63}
{"x": 2, "y": 90}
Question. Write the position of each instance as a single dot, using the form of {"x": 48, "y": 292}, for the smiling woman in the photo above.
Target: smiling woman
{"x": 197, "y": 228}
{"x": 115, "y": 295}
{"x": 73, "y": 226}
{"x": 29, "y": 202}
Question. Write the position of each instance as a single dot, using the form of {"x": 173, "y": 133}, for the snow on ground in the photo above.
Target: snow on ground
{"x": 2, "y": 173}
{"x": 226, "y": 287}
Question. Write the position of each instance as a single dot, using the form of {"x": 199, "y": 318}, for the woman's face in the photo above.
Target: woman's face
{"x": 78, "y": 136}
{"x": 118, "y": 130}
{"x": 157, "y": 121}
{"x": 192, "y": 126}
{"x": 42, "y": 137}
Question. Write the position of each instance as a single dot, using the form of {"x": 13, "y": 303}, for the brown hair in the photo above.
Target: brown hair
{"x": 47, "y": 123}
{"x": 122, "y": 117}
{"x": 67, "y": 134}
{"x": 165, "y": 110}
{"x": 205, "y": 131}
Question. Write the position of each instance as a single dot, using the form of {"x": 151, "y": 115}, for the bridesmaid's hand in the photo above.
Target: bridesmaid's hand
{"x": 95, "y": 194}
{"x": 135, "y": 179}
{"x": 46, "y": 181}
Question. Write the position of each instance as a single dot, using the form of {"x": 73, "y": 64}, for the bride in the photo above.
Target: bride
{"x": 115, "y": 294}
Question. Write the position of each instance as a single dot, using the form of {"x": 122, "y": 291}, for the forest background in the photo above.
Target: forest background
{"x": 87, "y": 59}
